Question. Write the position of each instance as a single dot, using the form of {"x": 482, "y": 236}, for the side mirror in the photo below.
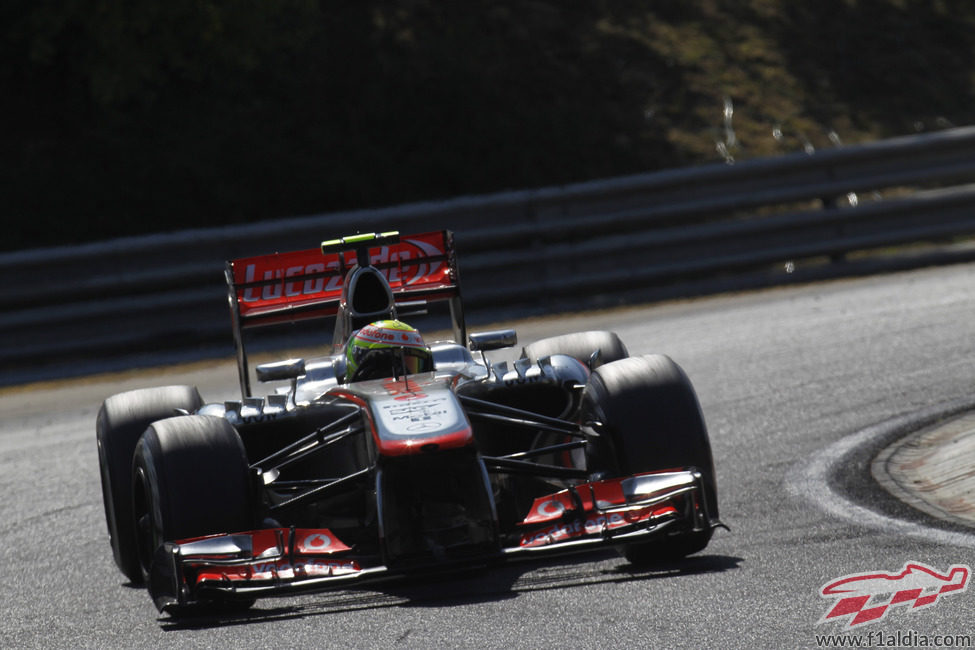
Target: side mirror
{"x": 493, "y": 340}
{"x": 280, "y": 370}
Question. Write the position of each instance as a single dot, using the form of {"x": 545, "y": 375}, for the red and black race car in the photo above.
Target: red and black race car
{"x": 389, "y": 456}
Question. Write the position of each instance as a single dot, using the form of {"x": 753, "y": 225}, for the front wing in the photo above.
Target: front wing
{"x": 281, "y": 561}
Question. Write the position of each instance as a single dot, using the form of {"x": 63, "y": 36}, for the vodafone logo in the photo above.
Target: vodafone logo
{"x": 546, "y": 509}
{"x": 389, "y": 334}
{"x": 316, "y": 542}
{"x": 425, "y": 249}
{"x": 550, "y": 508}
{"x": 593, "y": 525}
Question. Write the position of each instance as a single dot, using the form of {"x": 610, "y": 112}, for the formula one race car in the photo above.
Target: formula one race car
{"x": 390, "y": 457}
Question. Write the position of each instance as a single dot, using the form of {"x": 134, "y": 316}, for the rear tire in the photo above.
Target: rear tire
{"x": 190, "y": 478}
{"x": 120, "y": 423}
{"x": 579, "y": 345}
{"x": 651, "y": 413}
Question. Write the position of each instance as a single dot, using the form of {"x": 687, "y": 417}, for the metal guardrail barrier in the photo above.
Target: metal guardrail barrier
{"x": 640, "y": 237}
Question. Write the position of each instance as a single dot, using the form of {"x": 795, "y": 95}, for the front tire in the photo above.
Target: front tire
{"x": 190, "y": 478}
{"x": 121, "y": 421}
{"x": 651, "y": 415}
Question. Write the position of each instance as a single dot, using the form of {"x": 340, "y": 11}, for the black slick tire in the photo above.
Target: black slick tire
{"x": 121, "y": 421}
{"x": 581, "y": 346}
{"x": 650, "y": 411}
{"x": 190, "y": 478}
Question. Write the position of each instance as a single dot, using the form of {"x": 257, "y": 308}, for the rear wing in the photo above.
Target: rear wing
{"x": 310, "y": 284}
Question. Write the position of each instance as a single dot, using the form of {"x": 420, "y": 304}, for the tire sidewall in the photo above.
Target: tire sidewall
{"x": 649, "y": 413}
{"x": 579, "y": 345}
{"x": 190, "y": 479}
{"x": 146, "y": 488}
{"x": 120, "y": 423}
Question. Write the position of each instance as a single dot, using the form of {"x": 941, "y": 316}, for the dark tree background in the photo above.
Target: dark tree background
{"x": 131, "y": 116}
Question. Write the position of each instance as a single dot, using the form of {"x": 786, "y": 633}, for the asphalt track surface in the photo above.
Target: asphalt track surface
{"x": 798, "y": 386}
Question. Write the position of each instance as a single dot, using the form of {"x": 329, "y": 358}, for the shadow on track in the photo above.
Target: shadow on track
{"x": 464, "y": 588}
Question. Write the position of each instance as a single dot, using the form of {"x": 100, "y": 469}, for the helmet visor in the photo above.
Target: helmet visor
{"x": 415, "y": 361}
{"x": 392, "y": 362}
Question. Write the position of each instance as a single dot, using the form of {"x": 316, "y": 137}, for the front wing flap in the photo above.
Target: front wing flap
{"x": 280, "y": 561}
{"x": 615, "y": 511}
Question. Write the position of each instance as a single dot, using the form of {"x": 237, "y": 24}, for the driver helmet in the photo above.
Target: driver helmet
{"x": 386, "y": 348}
